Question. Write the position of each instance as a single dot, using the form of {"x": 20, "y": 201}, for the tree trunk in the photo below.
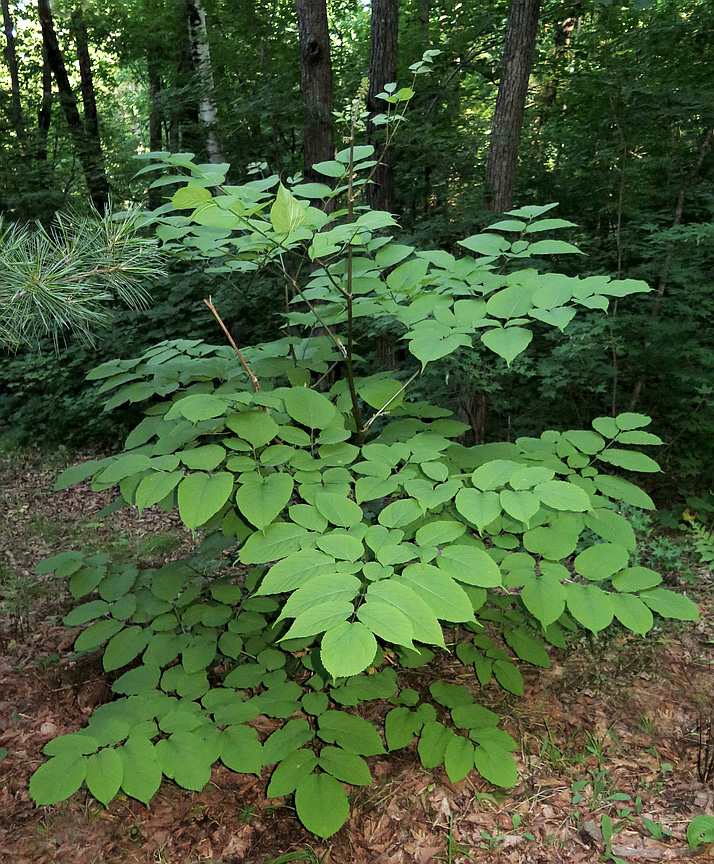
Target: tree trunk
{"x": 87, "y": 147}
{"x": 518, "y": 51}
{"x": 18, "y": 122}
{"x": 44, "y": 112}
{"x": 316, "y": 85}
{"x": 383, "y": 52}
{"x": 89, "y": 102}
{"x": 201, "y": 59}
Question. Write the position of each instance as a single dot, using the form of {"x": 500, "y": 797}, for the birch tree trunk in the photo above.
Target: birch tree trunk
{"x": 518, "y": 51}
{"x": 201, "y": 59}
{"x": 383, "y": 53}
{"x": 87, "y": 147}
{"x": 316, "y": 85}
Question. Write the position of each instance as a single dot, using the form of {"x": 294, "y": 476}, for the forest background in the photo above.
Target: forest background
{"x": 617, "y": 128}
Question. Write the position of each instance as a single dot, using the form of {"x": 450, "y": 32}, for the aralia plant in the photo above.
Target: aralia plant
{"x": 357, "y": 526}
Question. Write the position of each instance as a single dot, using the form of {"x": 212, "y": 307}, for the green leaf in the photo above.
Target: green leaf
{"x": 276, "y": 541}
{"x": 76, "y": 474}
{"x": 700, "y": 830}
{"x": 622, "y": 490}
{"x": 138, "y": 680}
{"x": 309, "y": 408}
{"x": 345, "y": 766}
{"x": 124, "y": 647}
{"x": 544, "y": 598}
{"x": 329, "y": 168}
{"x": 520, "y": 505}
{"x": 321, "y": 803}
{"x": 490, "y": 245}
{"x": 261, "y": 502}
{"x": 312, "y": 190}
{"x": 611, "y": 526}
{"x": 338, "y": 510}
{"x": 508, "y": 676}
{"x": 125, "y": 466}
{"x": 242, "y": 752}
{"x": 347, "y": 649}
{"x": 141, "y": 777}
{"x": 443, "y": 595}
{"x": 319, "y": 618}
{"x": 629, "y": 421}
{"x": 400, "y": 513}
{"x": 458, "y": 758}
{"x": 200, "y": 406}
{"x": 606, "y": 426}
{"x": 86, "y": 612}
{"x": 439, "y": 532}
{"x": 201, "y": 496}
{"x": 527, "y": 647}
{"x": 511, "y": 302}
{"x": 286, "y": 740}
{"x": 96, "y": 634}
{"x": 636, "y": 579}
{"x": 255, "y": 427}
{"x": 561, "y": 495}
{"x": 481, "y": 508}
{"x": 156, "y": 487}
{"x": 493, "y": 475}
{"x": 186, "y": 759}
{"x": 473, "y": 717}
{"x": 350, "y": 732}
{"x": 424, "y": 623}
{"x": 190, "y": 196}
{"x": 601, "y": 561}
{"x": 386, "y": 621}
{"x": 507, "y": 343}
{"x": 57, "y": 779}
{"x": 433, "y": 742}
{"x": 206, "y": 458}
{"x": 471, "y": 565}
{"x": 553, "y": 247}
{"x": 296, "y": 570}
{"x": 287, "y": 213}
{"x": 169, "y": 580}
{"x": 629, "y": 459}
{"x": 400, "y": 727}
{"x": 585, "y": 440}
{"x": 105, "y": 771}
{"x": 669, "y": 604}
{"x": 321, "y": 589}
{"x": 450, "y": 695}
{"x": 290, "y": 772}
{"x": 496, "y": 765}
{"x": 632, "y": 613}
{"x": 199, "y": 653}
{"x": 589, "y": 605}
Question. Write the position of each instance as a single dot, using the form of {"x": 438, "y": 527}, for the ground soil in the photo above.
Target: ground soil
{"x": 614, "y": 717}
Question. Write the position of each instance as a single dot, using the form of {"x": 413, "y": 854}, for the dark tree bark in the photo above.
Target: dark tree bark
{"x": 156, "y": 121}
{"x": 44, "y": 112}
{"x": 16, "y": 115}
{"x": 156, "y": 114}
{"x": 87, "y": 147}
{"x": 383, "y": 53}
{"x": 518, "y": 51}
{"x": 316, "y": 85}
{"x": 89, "y": 101}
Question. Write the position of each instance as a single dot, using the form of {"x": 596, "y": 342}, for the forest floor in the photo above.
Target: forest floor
{"x": 609, "y": 729}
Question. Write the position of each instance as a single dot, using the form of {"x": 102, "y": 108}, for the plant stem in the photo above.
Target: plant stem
{"x": 254, "y": 380}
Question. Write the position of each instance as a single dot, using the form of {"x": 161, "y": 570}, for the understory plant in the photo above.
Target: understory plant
{"x": 347, "y": 533}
